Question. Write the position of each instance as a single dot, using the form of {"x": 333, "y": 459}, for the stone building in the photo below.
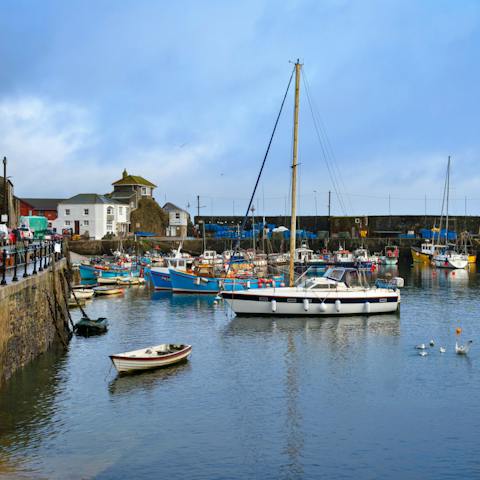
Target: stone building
{"x": 131, "y": 188}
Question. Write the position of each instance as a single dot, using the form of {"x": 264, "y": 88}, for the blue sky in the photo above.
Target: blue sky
{"x": 185, "y": 93}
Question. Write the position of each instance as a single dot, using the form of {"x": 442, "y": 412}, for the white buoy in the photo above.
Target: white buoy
{"x": 323, "y": 307}
{"x": 215, "y": 302}
{"x": 306, "y": 304}
{"x": 443, "y": 349}
{"x": 338, "y": 305}
{"x": 423, "y": 353}
{"x": 274, "y": 305}
{"x": 367, "y": 307}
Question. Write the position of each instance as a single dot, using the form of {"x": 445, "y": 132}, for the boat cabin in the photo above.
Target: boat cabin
{"x": 182, "y": 264}
{"x": 337, "y": 277}
{"x": 303, "y": 254}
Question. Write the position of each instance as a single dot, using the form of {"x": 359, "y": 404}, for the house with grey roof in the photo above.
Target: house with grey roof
{"x": 93, "y": 215}
{"x": 177, "y": 220}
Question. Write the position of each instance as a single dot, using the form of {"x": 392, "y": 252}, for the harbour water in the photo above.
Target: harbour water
{"x": 260, "y": 397}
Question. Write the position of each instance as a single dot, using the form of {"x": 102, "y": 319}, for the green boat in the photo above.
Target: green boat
{"x": 87, "y": 326}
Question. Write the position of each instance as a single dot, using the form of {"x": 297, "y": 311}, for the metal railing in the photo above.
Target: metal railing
{"x": 24, "y": 259}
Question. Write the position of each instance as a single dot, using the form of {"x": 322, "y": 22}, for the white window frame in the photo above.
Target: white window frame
{"x": 86, "y": 211}
{"x": 67, "y": 211}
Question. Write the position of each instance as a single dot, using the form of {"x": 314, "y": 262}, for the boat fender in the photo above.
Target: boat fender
{"x": 248, "y": 283}
{"x": 274, "y": 305}
{"x": 306, "y": 304}
{"x": 338, "y": 305}
{"x": 204, "y": 280}
{"x": 367, "y": 307}
{"x": 197, "y": 281}
{"x": 323, "y": 307}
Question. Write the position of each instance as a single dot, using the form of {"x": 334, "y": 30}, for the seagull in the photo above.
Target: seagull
{"x": 443, "y": 349}
{"x": 432, "y": 343}
{"x": 463, "y": 349}
{"x": 423, "y": 353}
{"x": 421, "y": 347}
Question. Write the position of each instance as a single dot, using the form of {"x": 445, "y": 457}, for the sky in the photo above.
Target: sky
{"x": 186, "y": 94}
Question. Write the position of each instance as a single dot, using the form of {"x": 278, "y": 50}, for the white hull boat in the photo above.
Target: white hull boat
{"x": 82, "y": 293}
{"x": 451, "y": 260}
{"x": 328, "y": 295}
{"x": 151, "y": 357}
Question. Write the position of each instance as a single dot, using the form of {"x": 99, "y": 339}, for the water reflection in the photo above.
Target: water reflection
{"x": 145, "y": 381}
{"x": 27, "y": 405}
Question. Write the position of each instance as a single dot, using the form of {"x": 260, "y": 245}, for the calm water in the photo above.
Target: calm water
{"x": 260, "y": 398}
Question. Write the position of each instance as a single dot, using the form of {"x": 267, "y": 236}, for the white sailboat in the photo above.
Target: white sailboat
{"x": 341, "y": 291}
{"x": 448, "y": 256}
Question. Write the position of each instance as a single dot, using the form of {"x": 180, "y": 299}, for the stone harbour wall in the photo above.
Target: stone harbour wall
{"x": 33, "y": 315}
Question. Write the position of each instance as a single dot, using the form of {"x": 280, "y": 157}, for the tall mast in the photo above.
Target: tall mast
{"x": 448, "y": 195}
{"x": 293, "y": 222}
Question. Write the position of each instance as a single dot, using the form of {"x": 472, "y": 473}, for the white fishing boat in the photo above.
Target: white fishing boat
{"x": 343, "y": 257}
{"x": 151, "y": 357}
{"x": 341, "y": 291}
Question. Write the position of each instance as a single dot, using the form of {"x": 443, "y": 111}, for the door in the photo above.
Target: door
{"x": 77, "y": 227}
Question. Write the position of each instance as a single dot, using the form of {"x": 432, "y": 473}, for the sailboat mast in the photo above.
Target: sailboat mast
{"x": 293, "y": 222}
{"x": 448, "y": 196}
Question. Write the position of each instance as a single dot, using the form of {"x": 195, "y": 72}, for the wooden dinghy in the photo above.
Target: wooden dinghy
{"x": 108, "y": 290}
{"x": 128, "y": 281}
{"x": 82, "y": 293}
{"x": 151, "y": 357}
{"x": 87, "y": 326}
{"x": 108, "y": 280}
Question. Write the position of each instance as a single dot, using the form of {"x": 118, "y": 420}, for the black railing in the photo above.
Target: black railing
{"x": 25, "y": 257}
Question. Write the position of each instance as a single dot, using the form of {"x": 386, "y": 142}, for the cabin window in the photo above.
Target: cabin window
{"x": 67, "y": 211}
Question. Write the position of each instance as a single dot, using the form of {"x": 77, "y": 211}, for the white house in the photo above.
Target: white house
{"x": 177, "y": 220}
{"x": 92, "y": 214}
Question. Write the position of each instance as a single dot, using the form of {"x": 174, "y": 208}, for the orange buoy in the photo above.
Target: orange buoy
{"x": 458, "y": 331}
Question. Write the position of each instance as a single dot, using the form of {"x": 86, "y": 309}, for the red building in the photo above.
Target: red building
{"x": 45, "y": 207}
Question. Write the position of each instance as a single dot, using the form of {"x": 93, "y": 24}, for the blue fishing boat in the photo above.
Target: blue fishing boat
{"x": 184, "y": 282}
{"x": 87, "y": 272}
{"x": 160, "y": 276}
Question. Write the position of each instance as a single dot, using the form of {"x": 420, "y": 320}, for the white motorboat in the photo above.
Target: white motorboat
{"x": 449, "y": 258}
{"x": 341, "y": 291}
{"x": 151, "y": 357}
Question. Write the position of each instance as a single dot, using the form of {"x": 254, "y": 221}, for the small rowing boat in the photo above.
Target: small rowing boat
{"x": 108, "y": 290}
{"x": 82, "y": 293}
{"x": 151, "y": 357}
{"x": 128, "y": 281}
{"x": 108, "y": 280}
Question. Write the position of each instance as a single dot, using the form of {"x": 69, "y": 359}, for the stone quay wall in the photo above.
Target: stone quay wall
{"x": 33, "y": 315}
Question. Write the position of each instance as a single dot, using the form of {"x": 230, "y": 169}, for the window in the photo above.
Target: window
{"x": 67, "y": 222}
{"x": 85, "y": 211}
{"x": 85, "y": 223}
{"x": 67, "y": 211}
{"x": 109, "y": 211}
{"x": 177, "y": 216}
{"x": 120, "y": 210}
{"x": 109, "y": 227}
{"x": 144, "y": 190}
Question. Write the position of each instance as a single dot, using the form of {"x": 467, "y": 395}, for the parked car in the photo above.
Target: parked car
{"x": 24, "y": 233}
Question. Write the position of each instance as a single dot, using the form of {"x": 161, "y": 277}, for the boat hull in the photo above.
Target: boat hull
{"x": 451, "y": 263}
{"x": 312, "y": 305}
{"x": 420, "y": 257}
{"x": 125, "y": 364}
{"x": 160, "y": 278}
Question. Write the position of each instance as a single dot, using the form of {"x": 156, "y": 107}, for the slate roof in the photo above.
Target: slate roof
{"x": 88, "y": 198}
{"x": 169, "y": 207}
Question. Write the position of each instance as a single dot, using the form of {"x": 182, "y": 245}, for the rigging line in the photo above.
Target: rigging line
{"x": 328, "y": 145}
{"x": 323, "y": 146}
{"x": 244, "y": 221}
{"x": 325, "y": 154}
